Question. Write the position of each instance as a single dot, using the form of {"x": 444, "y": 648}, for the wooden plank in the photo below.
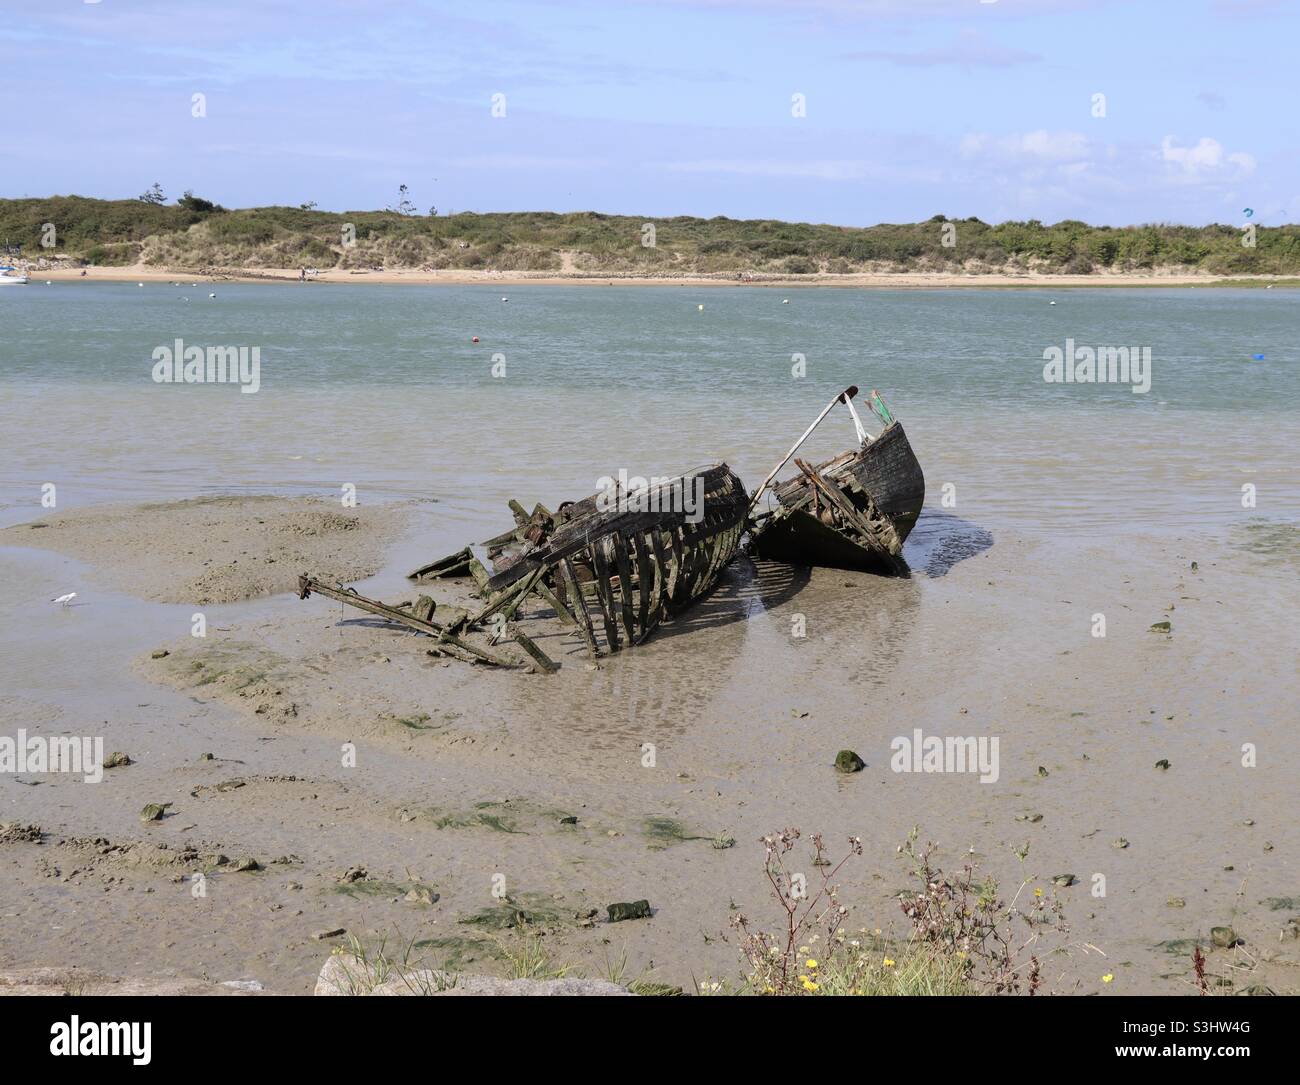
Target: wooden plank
{"x": 479, "y": 574}
{"x": 644, "y": 582}
{"x": 604, "y": 592}
{"x": 544, "y": 662}
{"x": 453, "y": 565}
{"x": 580, "y": 608}
{"x": 657, "y": 605}
{"x": 307, "y": 585}
{"x": 553, "y": 601}
{"x": 620, "y": 544}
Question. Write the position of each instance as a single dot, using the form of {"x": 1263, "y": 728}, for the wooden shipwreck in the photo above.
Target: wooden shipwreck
{"x": 611, "y": 567}
{"x": 853, "y": 511}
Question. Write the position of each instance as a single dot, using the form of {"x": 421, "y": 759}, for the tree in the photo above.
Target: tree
{"x": 153, "y": 195}
{"x": 310, "y": 205}
{"x": 404, "y": 204}
{"x": 197, "y": 204}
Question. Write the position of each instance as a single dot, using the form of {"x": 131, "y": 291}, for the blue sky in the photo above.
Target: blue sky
{"x": 913, "y": 107}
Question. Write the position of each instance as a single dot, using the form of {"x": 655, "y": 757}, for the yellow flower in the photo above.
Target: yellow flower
{"x": 1038, "y": 892}
{"x": 811, "y": 963}
{"x": 1107, "y": 977}
{"x": 808, "y": 984}
{"x": 889, "y": 963}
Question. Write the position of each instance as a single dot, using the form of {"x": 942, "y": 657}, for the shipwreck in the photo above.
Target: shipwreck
{"x": 614, "y": 565}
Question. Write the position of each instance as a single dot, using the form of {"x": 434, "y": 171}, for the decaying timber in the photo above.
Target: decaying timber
{"x": 853, "y": 511}
{"x": 610, "y": 567}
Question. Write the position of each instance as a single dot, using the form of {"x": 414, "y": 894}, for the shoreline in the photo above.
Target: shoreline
{"x": 920, "y": 280}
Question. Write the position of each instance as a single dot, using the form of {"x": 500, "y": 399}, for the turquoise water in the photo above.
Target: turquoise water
{"x": 381, "y": 387}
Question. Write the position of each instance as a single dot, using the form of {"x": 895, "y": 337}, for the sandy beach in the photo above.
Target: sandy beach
{"x": 865, "y": 281}
{"x": 464, "y": 775}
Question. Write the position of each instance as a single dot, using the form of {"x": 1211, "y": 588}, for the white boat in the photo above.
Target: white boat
{"x": 9, "y": 278}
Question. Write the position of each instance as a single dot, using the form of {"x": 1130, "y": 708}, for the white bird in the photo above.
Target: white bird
{"x": 212, "y": 295}
{"x": 505, "y": 299}
{"x": 139, "y": 284}
{"x": 65, "y": 599}
{"x": 785, "y": 301}
{"x": 1051, "y": 303}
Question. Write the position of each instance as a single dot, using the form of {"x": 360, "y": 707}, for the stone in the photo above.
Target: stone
{"x": 246, "y": 863}
{"x": 848, "y": 761}
{"x": 1161, "y": 627}
{"x": 1223, "y": 937}
{"x": 335, "y": 932}
{"x": 637, "y": 909}
{"x": 154, "y": 811}
{"x": 159, "y": 653}
{"x": 420, "y": 895}
{"x": 116, "y": 760}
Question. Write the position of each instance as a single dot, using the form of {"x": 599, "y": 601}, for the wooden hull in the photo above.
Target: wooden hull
{"x": 856, "y": 513}
{"x": 622, "y": 570}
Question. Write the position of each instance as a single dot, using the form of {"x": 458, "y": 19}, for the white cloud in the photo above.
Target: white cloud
{"x": 1040, "y": 145}
{"x": 1206, "y": 157}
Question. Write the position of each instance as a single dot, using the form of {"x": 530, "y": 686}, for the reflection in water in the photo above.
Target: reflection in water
{"x": 941, "y": 539}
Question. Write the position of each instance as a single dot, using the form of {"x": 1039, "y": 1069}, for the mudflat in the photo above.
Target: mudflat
{"x": 324, "y": 772}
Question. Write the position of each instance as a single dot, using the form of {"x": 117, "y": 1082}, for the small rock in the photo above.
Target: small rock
{"x": 206, "y": 757}
{"x": 1223, "y": 937}
{"x": 420, "y": 895}
{"x": 637, "y": 909}
{"x": 1064, "y": 881}
{"x": 154, "y": 811}
{"x": 335, "y": 932}
{"x": 1161, "y": 627}
{"x": 1033, "y": 818}
{"x": 354, "y": 874}
{"x": 116, "y": 760}
{"x": 1119, "y": 842}
{"x": 159, "y": 653}
{"x": 246, "y": 863}
{"x": 1042, "y": 770}
{"x": 1163, "y": 764}
{"x": 848, "y": 761}
{"x": 569, "y": 819}
{"x": 1176, "y": 902}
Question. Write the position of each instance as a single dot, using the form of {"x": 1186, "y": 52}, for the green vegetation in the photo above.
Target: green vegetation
{"x": 197, "y": 234}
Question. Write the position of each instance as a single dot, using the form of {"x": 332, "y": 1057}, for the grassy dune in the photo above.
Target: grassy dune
{"x": 194, "y": 234}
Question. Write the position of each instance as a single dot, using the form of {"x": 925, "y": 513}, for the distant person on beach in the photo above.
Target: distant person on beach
{"x": 302, "y": 274}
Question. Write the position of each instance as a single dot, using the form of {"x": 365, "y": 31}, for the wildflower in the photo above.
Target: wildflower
{"x": 889, "y": 963}
{"x": 1107, "y": 977}
{"x": 1038, "y": 892}
{"x": 811, "y": 963}
{"x": 808, "y": 984}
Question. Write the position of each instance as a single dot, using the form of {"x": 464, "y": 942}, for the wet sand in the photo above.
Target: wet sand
{"x": 463, "y": 774}
{"x": 861, "y": 280}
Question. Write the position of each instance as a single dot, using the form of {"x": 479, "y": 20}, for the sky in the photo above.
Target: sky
{"x": 845, "y": 111}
